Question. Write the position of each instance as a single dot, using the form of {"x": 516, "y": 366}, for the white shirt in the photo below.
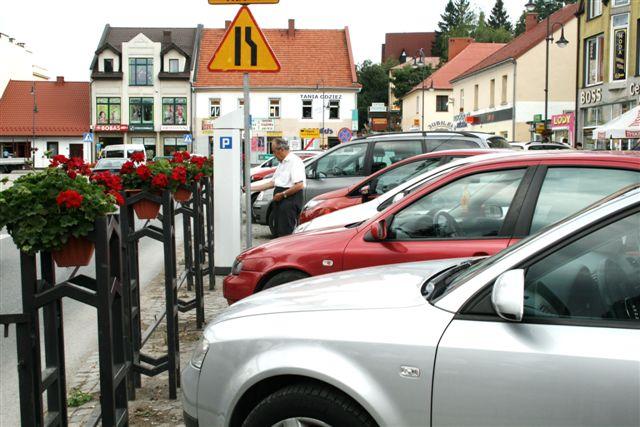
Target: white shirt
{"x": 289, "y": 172}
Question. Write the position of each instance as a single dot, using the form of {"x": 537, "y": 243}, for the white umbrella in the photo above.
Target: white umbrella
{"x": 624, "y": 127}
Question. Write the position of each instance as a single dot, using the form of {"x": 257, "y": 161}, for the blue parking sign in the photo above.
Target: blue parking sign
{"x": 226, "y": 143}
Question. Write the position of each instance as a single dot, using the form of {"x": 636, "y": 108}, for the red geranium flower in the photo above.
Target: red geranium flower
{"x": 107, "y": 179}
{"x": 72, "y": 174}
{"x": 186, "y": 155}
{"x": 198, "y": 161}
{"x": 177, "y": 157}
{"x": 198, "y": 176}
{"x": 179, "y": 174}
{"x": 70, "y": 199}
{"x": 118, "y": 197}
{"x": 160, "y": 181}
{"x": 137, "y": 156}
{"x": 127, "y": 168}
{"x": 144, "y": 173}
{"x": 59, "y": 158}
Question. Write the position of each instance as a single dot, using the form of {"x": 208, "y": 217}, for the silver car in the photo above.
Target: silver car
{"x": 546, "y": 333}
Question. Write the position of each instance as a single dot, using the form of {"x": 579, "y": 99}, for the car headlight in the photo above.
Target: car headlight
{"x": 312, "y": 204}
{"x": 199, "y": 353}
{"x": 260, "y": 196}
{"x": 236, "y": 268}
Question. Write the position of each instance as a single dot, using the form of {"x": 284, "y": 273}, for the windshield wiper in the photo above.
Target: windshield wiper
{"x": 436, "y": 285}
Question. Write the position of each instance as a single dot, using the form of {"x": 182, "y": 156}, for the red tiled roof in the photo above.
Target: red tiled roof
{"x": 306, "y": 59}
{"x": 525, "y": 41}
{"x": 395, "y": 43}
{"x": 64, "y": 109}
{"x": 466, "y": 59}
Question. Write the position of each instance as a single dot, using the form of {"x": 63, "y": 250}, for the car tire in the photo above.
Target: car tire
{"x": 284, "y": 277}
{"x": 314, "y": 404}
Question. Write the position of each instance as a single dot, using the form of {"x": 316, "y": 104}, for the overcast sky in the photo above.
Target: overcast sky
{"x": 64, "y": 34}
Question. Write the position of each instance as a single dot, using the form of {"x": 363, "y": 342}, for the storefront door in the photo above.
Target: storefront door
{"x": 76, "y": 150}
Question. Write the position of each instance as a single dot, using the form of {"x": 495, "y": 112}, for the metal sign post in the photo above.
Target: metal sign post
{"x": 247, "y": 157}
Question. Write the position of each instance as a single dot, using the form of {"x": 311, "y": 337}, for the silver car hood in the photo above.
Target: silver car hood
{"x": 389, "y": 286}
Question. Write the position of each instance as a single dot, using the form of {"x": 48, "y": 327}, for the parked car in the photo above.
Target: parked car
{"x": 263, "y": 174}
{"x": 381, "y": 182}
{"x": 112, "y": 165}
{"x": 122, "y": 151}
{"x": 537, "y": 145}
{"x": 545, "y": 333}
{"x": 476, "y": 210}
{"x": 493, "y": 140}
{"x": 346, "y": 164}
{"x": 273, "y": 162}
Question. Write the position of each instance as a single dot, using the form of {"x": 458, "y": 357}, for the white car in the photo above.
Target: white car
{"x": 362, "y": 212}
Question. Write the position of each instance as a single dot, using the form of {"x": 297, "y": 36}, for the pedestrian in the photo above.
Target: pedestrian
{"x": 565, "y": 141}
{"x": 578, "y": 145}
{"x": 288, "y": 182}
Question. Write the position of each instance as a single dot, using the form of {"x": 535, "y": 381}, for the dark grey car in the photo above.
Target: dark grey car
{"x": 346, "y": 164}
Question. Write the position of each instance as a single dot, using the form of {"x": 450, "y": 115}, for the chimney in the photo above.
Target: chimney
{"x": 530, "y": 21}
{"x": 457, "y": 45}
{"x": 59, "y": 80}
{"x": 227, "y": 24}
{"x": 292, "y": 28}
{"x": 166, "y": 37}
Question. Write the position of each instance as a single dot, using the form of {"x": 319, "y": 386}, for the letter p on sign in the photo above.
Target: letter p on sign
{"x": 226, "y": 143}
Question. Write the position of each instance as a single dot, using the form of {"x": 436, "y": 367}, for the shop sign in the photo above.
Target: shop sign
{"x": 274, "y": 134}
{"x": 460, "y": 120}
{"x": 561, "y": 120}
{"x": 590, "y": 96}
{"x": 207, "y": 126}
{"x": 440, "y": 125}
{"x": 416, "y": 122}
{"x": 628, "y": 134}
{"x": 174, "y": 128}
{"x": 378, "y": 107}
{"x": 310, "y": 133}
{"x": 539, "y": 128}
{"x": 137, "y": 128}
{"x": 326, "y": 131}
{"x": 264, "y": 156}
{"x": 329, "y": 96}
{"x": 111, "y": 128}
{"x": 263, "y": 125}
{"x": 537, "y": 118}
{"x": 258, "y": 144}
{"x": 620, "y": 54}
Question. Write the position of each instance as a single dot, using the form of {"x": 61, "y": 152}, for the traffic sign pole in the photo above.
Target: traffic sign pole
{"x": 247, "y": 156}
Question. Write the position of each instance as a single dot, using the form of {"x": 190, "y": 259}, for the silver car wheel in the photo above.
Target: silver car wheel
{"x": 301, "y": 422}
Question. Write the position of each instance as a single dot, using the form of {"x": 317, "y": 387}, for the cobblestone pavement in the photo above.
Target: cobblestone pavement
{"x": 152, "y": 406}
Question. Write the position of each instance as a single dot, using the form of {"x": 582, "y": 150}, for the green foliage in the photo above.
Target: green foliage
{"x": 484, "y": 33}
{"x": 499, "y": 17}
{"x": 544, "y": 8}
{"x": 36, "y": 222}
{"x": 374, "y": 79}
{"x": 406, "y": 78}
{"x": 520, "y": 25}
{"x": 78, "y": 397}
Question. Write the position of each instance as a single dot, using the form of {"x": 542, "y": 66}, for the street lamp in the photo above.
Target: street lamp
{"x": 323, "y": 106}
{"x": 33, "y": 126}
{"x": 561, "y": 42}
{"x": 530, "y": 6}
{"x": 418, "y": 62}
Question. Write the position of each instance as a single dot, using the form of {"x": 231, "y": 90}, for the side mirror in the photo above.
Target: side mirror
{"x": 310, "y": 173}
{"x": 365, "y": 192}
{"x": 378, "y": 231}
{"x": 507, "y": 296}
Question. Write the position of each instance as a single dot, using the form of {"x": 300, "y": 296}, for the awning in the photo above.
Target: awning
{"x": 626, "y": 126}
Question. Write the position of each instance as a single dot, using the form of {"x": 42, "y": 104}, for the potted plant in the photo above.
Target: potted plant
{"x": 54, "y": 210}
{"x": 187, "y": 169}
{"x": 151, "y": 177}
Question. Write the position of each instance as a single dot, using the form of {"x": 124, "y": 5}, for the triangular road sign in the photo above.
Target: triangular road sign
{"x": 244, "y": 48}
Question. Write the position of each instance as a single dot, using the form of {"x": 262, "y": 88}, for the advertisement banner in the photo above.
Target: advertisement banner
{"x": 258, "y": 144}
{"x": 309, "y": 133}
{"x": 620, "y": 54}
{"x": 263, "y": 125}
{"x": 207, "y": 126}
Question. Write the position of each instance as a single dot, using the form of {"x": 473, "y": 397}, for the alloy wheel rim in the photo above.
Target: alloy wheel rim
{"x": 301, "y": 422}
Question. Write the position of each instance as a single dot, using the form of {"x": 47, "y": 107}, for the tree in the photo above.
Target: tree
{"x": 520, "y": 25}
{"x": 456, "y": 21}
{"x": 374, "y": 79}
{"x": 544, "y": 8}
{"x": 499, "y": 17}
{"x": 447, "y": 21}
{"x": 406, "y": 78}
{"x": 484, "y": 33}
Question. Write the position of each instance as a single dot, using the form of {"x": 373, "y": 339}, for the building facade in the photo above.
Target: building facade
{"x": 504, "y": 94}
{"x": 309, "y": 102}
{"x": 609, "y": 67}
{"x": 18, "y": 63}
{"x": 430, "y": 105}
{"x": 39, "y": 119}
{"x": 141, "y": 88}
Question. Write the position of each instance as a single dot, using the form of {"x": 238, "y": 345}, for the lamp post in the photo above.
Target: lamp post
{"x": 418, "y": 62}
{"x": 562, "y": 42}
{"x": 322, "y": 99}
{"x": 33, "y": 126}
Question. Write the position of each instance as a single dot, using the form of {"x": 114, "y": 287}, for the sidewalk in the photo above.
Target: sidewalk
{"x": 152, "y": 406}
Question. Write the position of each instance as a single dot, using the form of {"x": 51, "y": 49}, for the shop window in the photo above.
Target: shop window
{"x": 52, "y": 148}
{"x": 214, "y": 107}
{"x": 307, "y": 109}
{"x": 617, "y": 3}
{"x": 417, "y": 104}
{"x": 174, "y": 65}
{"x": 492, "y": 93}
{"x": 594, "y": 58}
{"x": 149, "y": 145}
{"x": 141, "y": 72}
{"x": 240, "y": 103}
{"x": 171, "y": 145}
{"x": 334, "y": 109}
{"x": 503, "y": 96}
{"x": 108, "y": 111}
{"x": 595, "y": 8}
{"x": 442, "y": 103}
{"x": 174, "y": 111}
{"x": 108, "y": 65}
{"x": 274, "y": 108}
{"x": 476, "y": 91}
{"x": 141, "y": 111}
{"x": 619, "y": 41}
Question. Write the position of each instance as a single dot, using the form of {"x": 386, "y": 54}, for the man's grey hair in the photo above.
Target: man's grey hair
{"x": 281, "y": 143}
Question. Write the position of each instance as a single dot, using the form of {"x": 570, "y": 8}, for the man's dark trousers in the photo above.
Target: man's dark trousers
{"x": 287, "y": 212}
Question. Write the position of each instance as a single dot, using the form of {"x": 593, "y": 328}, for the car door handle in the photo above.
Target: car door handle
{"x": 480, "y": 254}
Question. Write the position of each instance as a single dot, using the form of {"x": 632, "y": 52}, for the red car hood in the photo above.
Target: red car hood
{"x": 341, "y": 192}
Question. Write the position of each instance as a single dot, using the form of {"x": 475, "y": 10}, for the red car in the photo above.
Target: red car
{"x": 381, "y": 182}
{"x": 476, "y": 210}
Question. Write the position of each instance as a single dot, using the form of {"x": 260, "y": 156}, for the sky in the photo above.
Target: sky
{"x": 64, "y": 34}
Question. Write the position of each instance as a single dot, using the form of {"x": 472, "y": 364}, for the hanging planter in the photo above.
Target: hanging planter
{"x": 145, "y": 208}
{"x": 77, "y": 252}
{"x": 182, "y": 195}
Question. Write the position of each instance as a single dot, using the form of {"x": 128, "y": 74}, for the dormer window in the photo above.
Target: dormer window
{"x": 174, "y": 65}
{"x": 108, "y": 65}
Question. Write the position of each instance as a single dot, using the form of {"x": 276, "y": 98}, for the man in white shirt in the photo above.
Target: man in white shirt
{"x": 288, "y": 182}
